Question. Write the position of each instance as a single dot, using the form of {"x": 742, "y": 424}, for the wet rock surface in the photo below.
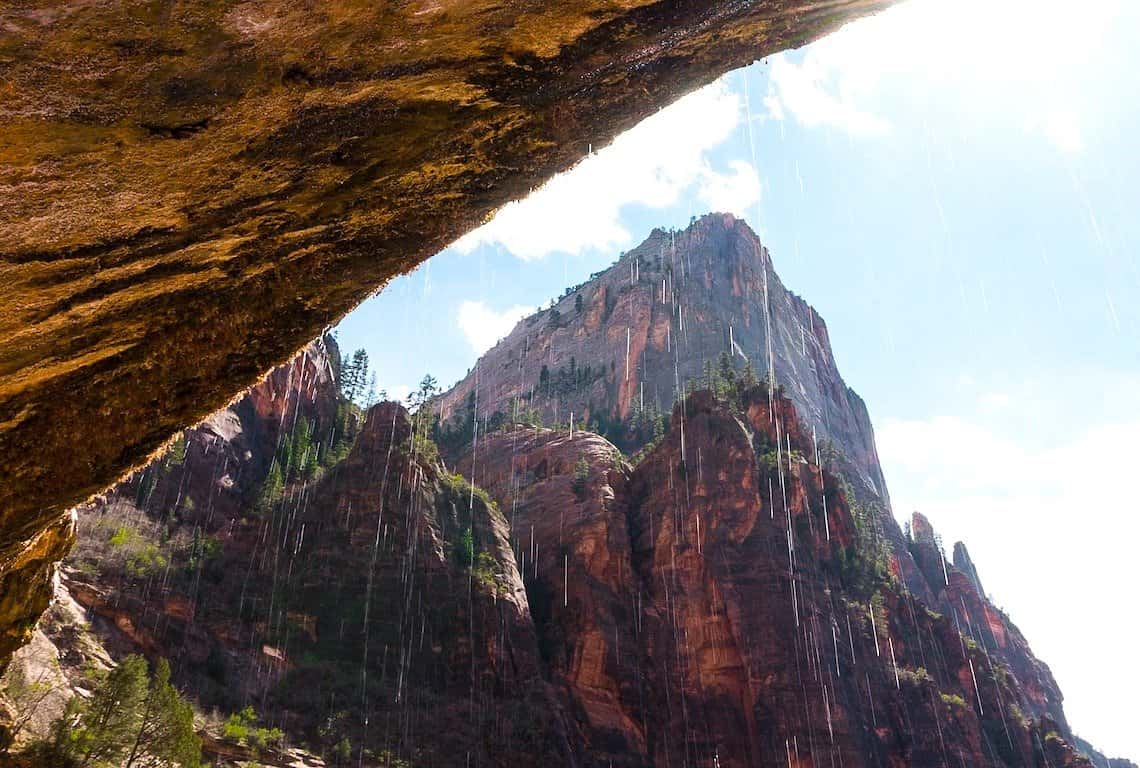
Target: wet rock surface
{"x": 375, "y": 600}
{"x": 194, "y": 191}
{"x": 617, "y": 351}
{"x": 720, "y": 603}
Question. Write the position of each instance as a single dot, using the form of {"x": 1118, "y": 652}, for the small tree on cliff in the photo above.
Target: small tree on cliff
{"x": 165, "y": 731}
{"x": 131, "y": 720}
{"x": 371, "y": 396}
{"x": 422, "y": 421}
{"x": 726, "y": 376}
{"x": 581, "y": 477}
{"x": 354, "y": 375}
{"x": 748, "y": 379}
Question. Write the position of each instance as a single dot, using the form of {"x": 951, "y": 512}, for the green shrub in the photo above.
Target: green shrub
{"x": 581, "y": 478}
{"x": 424, "y": 449}
{"x": 465, "y": 548}
{"x": 915, "y": 676}
{"x": 145, "y": 561}
{"x": 238, "y": 725}
{"x": 954, "y": 700}
{"x": 485, "y": 571}
{"x": 122, "y": 536}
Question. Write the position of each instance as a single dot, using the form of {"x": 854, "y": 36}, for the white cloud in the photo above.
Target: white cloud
{"x": 1061, "y": 126}
{"x": 397, "y": 392}
{"x": 1053, "y": 528}
{"x": 979, "y": 58}
{"x": 734, "y": 192}
{"x": 483, "y": 326}
{"x": 803, "y": 91}
{"x": 652, "y": 164}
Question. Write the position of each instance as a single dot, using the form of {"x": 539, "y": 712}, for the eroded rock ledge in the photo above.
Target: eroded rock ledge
{"x": 190, "y": 191}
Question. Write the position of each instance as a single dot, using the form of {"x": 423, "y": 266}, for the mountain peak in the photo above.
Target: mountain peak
{"x": 623, "y": 346}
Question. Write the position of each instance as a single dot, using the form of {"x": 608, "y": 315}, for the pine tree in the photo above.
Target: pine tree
{"x": 302, "y": 450}
{"x": 130, "y": 721}
{"x": 427, "y": 389}
{"x": 727, "y": 370}
{"x": 99, "y": 731}
{"x": 371, "y": 395}
{"x": 710, "y": 376}
{"x": 354, "y": 375}
{"x": 726, "y": 377}
{"x": 165, "y": 733}
{"x": 578, "y": 303}
{"x": 271, "y": 488}
{"x": 347, "y": 379}
{"x": 748, "y": 379}
{"x": 422, "y": 420}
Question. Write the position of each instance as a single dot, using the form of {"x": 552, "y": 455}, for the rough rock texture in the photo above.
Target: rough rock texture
{"x": 26, "y": 579}
{"x": 712, "y": 608}
{"x": 192, "y": 191}
{"x": 227, "y": 456}
{"x": 957, "y": 591}
{"x": 630, "y": 340}
{"x": 569, "y": 530}
{"x": 372, "y": 597}
{"x": 648, "y": 325}
{"x": 378, "y": 602}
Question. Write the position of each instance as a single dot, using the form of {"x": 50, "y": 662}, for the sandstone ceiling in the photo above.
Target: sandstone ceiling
{"x": 189, "y": 191}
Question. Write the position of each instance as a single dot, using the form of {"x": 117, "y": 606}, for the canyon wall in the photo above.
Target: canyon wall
{"x": 194, "y": 191}
{"x": 618, "y": 350}
{"x": 717, "y": 604}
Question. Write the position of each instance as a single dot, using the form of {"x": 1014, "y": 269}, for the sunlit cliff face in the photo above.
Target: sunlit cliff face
{"x": 195, "y": 191}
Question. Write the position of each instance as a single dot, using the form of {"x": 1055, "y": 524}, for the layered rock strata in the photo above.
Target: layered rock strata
{"x": 193, "y": 191}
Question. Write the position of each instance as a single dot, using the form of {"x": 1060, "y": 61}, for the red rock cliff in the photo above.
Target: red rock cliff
{"x": 721, "y": 604}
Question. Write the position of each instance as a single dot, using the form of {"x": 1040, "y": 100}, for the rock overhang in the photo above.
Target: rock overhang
{"x": 193, "y": 191}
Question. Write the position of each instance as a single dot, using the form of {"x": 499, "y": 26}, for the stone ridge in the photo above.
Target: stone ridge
{"x": 957, "y": 592}
{"x": 712, "y": 607}
{"x": 675, "y": 302}
{"x": 636, "y": 335}
{"x": 193, "y": 191}
{"x": 382, "y": 590}
{"x": 721, "y": 604}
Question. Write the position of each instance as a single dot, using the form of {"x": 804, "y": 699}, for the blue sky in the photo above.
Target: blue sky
{"x": 952, "y": 184}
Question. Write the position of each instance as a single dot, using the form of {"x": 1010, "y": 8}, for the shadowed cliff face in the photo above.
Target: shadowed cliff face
{"x": 376, "y": 601}
{"x": 721, "y": 603}
{"x": 193, "y": 191}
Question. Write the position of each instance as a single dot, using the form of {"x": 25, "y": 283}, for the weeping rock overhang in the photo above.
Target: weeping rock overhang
{"x": 190, "y": 191}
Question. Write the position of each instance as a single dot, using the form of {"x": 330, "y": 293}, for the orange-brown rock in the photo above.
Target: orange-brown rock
{"x": 618, "y": 350}
{"x": 564, "y": 497}
{"x": 193, "y": 191}
{"x": 726, "y": 620}
{"x": 377, "y": 601}
{"x": 957, "y": 590}
{"x": 721, "y": 603}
